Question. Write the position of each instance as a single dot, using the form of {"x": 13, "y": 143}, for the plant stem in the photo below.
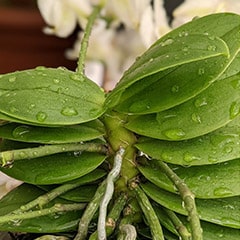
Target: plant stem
{"x": 111, "y": 178}
{"x": 127, "y": 232}
{"x": 48, "y": 197}
{"x": 188, "y": 199}
{"x": 113, "y": 216}
{"x": 149, "y": 212}
{"x": 38, "y": 213}
{"x": 89, "y": 212}
{"x": 84, "y": 43}
{"x": 179, "y": 226}
{"x": 8, "y": 157}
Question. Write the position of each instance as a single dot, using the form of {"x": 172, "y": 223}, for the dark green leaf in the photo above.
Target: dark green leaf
{"x": 204, "y": 181}
{"x": 66, "y": 134}
{"x": 213, "y": 108}
{"x": 46, "y": 96}
{"x": 46, "y": 224}
{"x": 54, "y": 169}
{"x": 224, "y": 212}
{"x": 215, "y": 147}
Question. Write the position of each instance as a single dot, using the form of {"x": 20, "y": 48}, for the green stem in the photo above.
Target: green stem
{"x": 188, "y": 200}
{"x": 112, "y": 217}
{"x": 111, "y": 178}
{"x": 179, "y": 226}
{"x": 57, "y": 208}
{"x": 8, "y": 157}
{"x": 84, "y": 43}
{"x": 89, "y": 212}
{"x": 149, "y": 213}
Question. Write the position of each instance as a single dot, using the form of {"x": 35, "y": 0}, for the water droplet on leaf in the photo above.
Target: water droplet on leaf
{"x": 167, "y": 42}
{"x": 196, "y": 118}
{"x": 234, "y": 110}
{"x": 222, "y": 192}
{"x": 12, "y": 79}
{"x": 201, "y": 71}
{"x": 200, "y": 102}
{"x": 20, "y": 131}
{"x": 41, "y": 116}
{"x": 188, "y": 157}
{"x": 69, "y": 111}
{"x": 175, "y": 89}
{"x": 174, "y": 134}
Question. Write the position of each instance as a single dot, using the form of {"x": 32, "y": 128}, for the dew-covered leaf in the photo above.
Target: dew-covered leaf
{"x": 65, "y": 134}
{"x": 218, "y": 146}
{"x": 53, "y": 169}
{"x": 47, "y": 96}
{"x": 204, "y": 181}
{"x": 221, "y": 211}
{"x": 213, "y": 108}
{"x": 47, "y": 224}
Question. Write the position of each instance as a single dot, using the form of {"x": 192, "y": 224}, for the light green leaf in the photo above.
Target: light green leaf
{"x": 204, "y": 181}
{"x": 53, "y": 169}
{"x": 65, "y": 134}
{"x": 47, "y": 96}
{"x": 221, "y": 211}
{"x": 218, "y": 146}
{"x": 213, "y": 108}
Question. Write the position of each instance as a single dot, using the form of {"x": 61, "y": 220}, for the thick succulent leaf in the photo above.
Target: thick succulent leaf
{"x": 210, "y": 231}
{"x": 47, "y": 224}
{"x": 173, "y": 88}
{"x": 204, "y": 181}
{"x": 65, "y": 134}
{"x": 218, "y": 146}
{"x": 46, "y": 96}
{"x": 148, "y": 64}
{"x": 227, "y": 209}
{"x": 213, "y": 108}
{"x": 200, "y": 58}
{"x": 54, "y": 169}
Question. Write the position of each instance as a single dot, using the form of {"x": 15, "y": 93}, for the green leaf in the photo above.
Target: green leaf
{"x": 65, "y": 134}
{"x": 204, "y": 181}
{"x": 51, "y": 223}
{"x": 213, "y": 108}
{"x": 53, "y": 169}
{"x": 146, "y": 67}
{"x": 46, "y": 96}
{"x": 221, "y": 211}
{"x": 218, "y": 146}
{"x": 168, "y": 67}
{"x": 210, "y": 231}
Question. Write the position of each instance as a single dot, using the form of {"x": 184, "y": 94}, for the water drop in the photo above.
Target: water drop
{"x": 196, "y": 118}
{"x": 201, "y": 71}
{"x": 16, "y": 222}
{"x": 55, "y": 80}
{"x": 234, "y": 110}
{"x": 188, "y": 157}
{"x": 183, "y": 34}
{"x": 69, "y": 111}
{"x": 41, "y": 116}
{"x": 77, "y": 77}
{"x": 40, "y": 68}
{"x": 212, "y": 48}
{"x": 174, "y": 134}
{"x": 12, "y": 79}
{"x": 20, "y": 131}
{"x": 212, "y": 159}
{"x": 31, "y": 106}
{"x": 200, "y": 102}
{"x": 227, "y": 149}
{"x": 166, "y": 156}
{"x": 77, "y": 153}
{"x": 236, "y": 84}
{"x": 175, "y": 89}
{"x": 23, "y": 155}
{"x": 222, "y": 192}
{"x": 185, "y": 49}
{"x": 13, "y": 109}
{"x": 167, "y": 42}
{"x": 138, "y": 106}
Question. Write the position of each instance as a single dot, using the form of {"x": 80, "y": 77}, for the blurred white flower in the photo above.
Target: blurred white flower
{"x": 191, "y": 8}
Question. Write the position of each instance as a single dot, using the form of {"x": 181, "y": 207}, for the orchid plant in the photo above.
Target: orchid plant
{"x": 155, "y": 158}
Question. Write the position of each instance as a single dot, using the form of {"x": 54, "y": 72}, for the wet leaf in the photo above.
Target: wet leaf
{"x": 204, "y": 181}
{"x": 218, "y": 146}
{"x": 47, "y": 96}
{"x": 46, "y": 224}
{"x": 65, "y": 134}
{"x": 221, "y": 211}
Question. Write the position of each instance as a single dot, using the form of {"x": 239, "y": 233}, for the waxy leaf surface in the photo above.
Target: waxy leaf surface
{"x": 46, "y": 96}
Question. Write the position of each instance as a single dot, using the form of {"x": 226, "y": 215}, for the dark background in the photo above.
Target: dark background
{"x": 23, "y": 45}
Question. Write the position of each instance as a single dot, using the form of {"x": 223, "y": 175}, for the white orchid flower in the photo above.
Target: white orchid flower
{"x": 62, "y": 15}
{"x": 192, "y": 8}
